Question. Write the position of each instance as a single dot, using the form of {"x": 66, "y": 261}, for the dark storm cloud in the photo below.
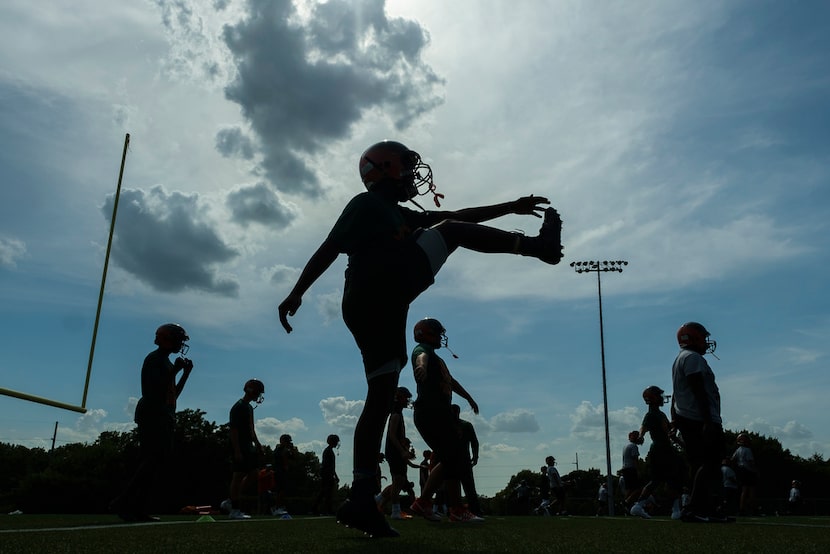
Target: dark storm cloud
{"x": 164, "y": 240}
{"x": 303, "y": 82}
{"x": 259, "y": 204}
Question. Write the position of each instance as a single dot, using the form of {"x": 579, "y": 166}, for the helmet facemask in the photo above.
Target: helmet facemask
{"x": 654, "y": 395}
{"x": 255, "y": 386}
{"x": 396, "y": 165}
{"x": 694, "y": 336}
{"x": 173, "y": 334}
{"x": 430, "y": 331}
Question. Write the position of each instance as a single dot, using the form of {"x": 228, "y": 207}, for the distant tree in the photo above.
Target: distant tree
{"x": 17, "y": 462}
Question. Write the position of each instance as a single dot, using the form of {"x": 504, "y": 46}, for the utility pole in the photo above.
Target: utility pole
{"x": 598, "y": 268}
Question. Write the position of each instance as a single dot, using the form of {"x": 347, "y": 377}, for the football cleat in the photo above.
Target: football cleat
{"x": 368, "y": 520}
{"x": 422, "y": 507}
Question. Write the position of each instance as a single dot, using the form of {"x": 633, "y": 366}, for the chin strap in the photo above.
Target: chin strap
{"x": 435, "y": 197}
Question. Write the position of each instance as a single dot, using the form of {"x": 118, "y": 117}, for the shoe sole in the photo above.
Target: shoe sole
{"x": 552, "y": 231}
{"x": 429, "y": 516}
{"x": 373, "y": 530}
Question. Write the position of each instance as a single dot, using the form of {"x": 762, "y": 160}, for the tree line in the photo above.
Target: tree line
{"x": 85, "y": 477}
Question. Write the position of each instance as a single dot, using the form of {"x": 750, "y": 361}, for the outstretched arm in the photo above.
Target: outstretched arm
{"x": 527, "y": 205}
{"x": 462, "y": 392}
{"x": 319, "y": 262}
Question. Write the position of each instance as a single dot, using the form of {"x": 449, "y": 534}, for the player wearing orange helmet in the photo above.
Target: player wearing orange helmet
{"x": 696, "y": 416}
{"x": 155, "y": 418}
{"x": 394, "y": 254}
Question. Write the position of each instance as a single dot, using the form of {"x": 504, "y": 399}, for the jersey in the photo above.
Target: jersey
{"x": 435, "y": 390}
{"x": 630, "y": 456}
{"x": 157, "y": 405}
{"x": 554, "y": 480}
{"x": 730, "y": 479}
{"x": 469, "y": 440}
{"x": 399, "y": 432}
{"x": 377, "y": 236}
{"x": 743, "y": 458}
{"x": 241, "y": 416}
{"x": 663, "y": 460}
{"x": 327, "y": 467}
{"x": 688, "y": 363}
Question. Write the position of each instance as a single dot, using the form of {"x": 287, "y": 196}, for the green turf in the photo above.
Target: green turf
{"x": 182, "y": 534}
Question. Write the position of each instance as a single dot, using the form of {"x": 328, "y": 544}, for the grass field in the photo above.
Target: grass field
{"x": 183, "y": 534}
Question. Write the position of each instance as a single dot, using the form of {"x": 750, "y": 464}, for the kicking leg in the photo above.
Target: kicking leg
{"x": 546, "y": 246}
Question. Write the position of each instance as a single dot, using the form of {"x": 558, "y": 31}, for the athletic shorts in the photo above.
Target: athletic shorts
{"x": 632, "y": 478}
{"x": 704, "y": 443}
{"x": 247, "y": 463}
{"x": 376, "y": 311}
{"x": 435, "y": 427}
{"x": 433, "y": 245}
{"x": 746, "y": 477}
{"x": 397, "y": 465}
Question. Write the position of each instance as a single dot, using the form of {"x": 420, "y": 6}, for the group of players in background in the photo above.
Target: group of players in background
{"x": 394, "y": 254}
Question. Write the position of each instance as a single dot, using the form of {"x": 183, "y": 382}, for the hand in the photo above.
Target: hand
{"x": 474, "y": 406}
{"x": 530, "y": 205}
{"x": 474, "y": 461}
{"x": 183, "y": 363}
{"x": 289, "y": 307}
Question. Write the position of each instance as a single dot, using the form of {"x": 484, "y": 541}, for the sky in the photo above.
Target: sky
{"x": 689, "y": 139}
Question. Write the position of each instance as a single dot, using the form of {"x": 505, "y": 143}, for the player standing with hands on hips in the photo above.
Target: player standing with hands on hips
{"x": 155, "y": 417}
{"x": 394, "y": 254}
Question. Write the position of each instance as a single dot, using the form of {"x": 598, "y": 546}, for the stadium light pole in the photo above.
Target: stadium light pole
{"x": 599, "y": 267}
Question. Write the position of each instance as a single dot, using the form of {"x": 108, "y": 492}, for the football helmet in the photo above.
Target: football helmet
{"x": 694, "y": 336}
{"x": 174, "y": 337}
{"x": 430, "y": 331}
{"x": 392, "y": 161}
{"x": 655, "y": 395}
{"x": 743, "y": 439}
{"x": 257, "y": 387}
{"x": 333, "y": 441}
{"x": 634, "y": 436}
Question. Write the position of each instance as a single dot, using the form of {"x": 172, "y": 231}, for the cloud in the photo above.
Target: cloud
{"x": 195, "y": 50}
{"x": 329, "y": 306}
{"x": 269, "y": 429}
{"x": 499, "y": 448}
{"x": 341, "y": 413}
{"x": 282, "y": 274}
{"x": 803, "y": 355}
{"x": 588, "y": 421}
{"x": 517, "y": 421}
{"x": 166, "y": 241}
{"x": 232, "y": 143}
{"x": 10, "y": 251}
{"x": 305, "y": 77}
{"x": 790, "y": 431}
{"x": 274, "y": 426}
{"x": 259, "y": 204}
{"x": 90, "y": 422}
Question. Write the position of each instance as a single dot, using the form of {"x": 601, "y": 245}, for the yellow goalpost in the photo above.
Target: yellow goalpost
{"x": 65, "y": 405}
